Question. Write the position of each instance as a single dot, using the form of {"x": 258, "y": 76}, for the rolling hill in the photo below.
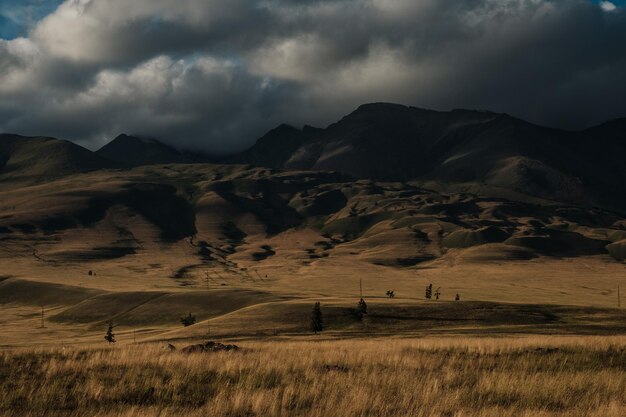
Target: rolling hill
{"x": 479, "y": 204}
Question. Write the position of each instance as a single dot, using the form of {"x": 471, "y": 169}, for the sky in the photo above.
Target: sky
{"x": 215, "y": 75}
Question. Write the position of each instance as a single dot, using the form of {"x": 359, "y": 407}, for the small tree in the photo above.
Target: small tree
{"x": 362, "y": 306}
{"x": 437, "y": 293}
{"x": 429, "y": 291}
{"x": 317, "y": 324}
{"x": 188, "y": 321}
{"x": 391, "y": 294}
{"x": 110, "y": 336}
{"x": 458, "y": 297}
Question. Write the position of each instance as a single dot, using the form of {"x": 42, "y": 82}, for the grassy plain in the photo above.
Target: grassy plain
{"x": 435, "y": 377}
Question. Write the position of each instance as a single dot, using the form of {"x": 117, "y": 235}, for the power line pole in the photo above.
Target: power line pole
{"x": 42, "y": 318}
{"x": 206, "y": 278}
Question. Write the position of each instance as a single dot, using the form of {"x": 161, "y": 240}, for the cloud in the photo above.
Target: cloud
{"x": 215, "y": 75}
{"x": 607, "y": 6}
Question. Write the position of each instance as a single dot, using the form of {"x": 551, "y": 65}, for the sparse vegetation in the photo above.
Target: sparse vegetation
{"x": 429, "y": 292}
{"x": 390, "y": 294}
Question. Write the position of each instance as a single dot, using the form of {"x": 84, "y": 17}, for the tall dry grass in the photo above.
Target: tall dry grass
{"x": 451, "y": 377}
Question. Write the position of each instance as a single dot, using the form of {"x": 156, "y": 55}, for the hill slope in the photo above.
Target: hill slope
{"x": 33, "y": 159}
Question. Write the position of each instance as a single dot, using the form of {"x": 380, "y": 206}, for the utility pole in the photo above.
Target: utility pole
{"x": 206, "y": 278}
{"x": 42, "y": 317}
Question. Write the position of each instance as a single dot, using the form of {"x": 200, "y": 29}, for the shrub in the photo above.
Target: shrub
{"x": 188, "y": 321}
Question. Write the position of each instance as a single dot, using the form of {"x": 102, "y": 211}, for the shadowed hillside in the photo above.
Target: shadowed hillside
{"x": 483, "y": 150}
{"x": 131, "y": 151}
{"x": 236, "y": 219}
{"x": 38, "y": 159}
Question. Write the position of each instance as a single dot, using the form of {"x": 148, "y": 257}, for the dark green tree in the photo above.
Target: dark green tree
{"x": 110, "y": 336}
{"x": 391, "y": 293}
{"x": 317, "y": 324}
{"x": 437, "y": 293}
{"x": 188, "y": 321}
{"x": 458, "y": 297}
{"x": 429, "y": 292}
{"x": 362, "y": 306}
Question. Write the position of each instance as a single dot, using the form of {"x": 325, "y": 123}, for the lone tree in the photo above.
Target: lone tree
{"x": 429, "y": 291}
{"x": 188, "y": 321}
{"x": 362, "y": 306}
{"x": 110, "y": 336}
{"x": 437, "y": 293}
{"x": 391, "y": 293}
{"x": 317, "y": 325}
{"x": 458, "y": 297}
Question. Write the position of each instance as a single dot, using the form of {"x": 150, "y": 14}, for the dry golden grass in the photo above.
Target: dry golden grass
{"x": 530, "y": 376}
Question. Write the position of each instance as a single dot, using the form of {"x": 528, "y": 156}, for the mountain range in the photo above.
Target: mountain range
{"x": 398, "y": 143}
{"x": 388, "y": 191}
{"x": 460, "y": 150}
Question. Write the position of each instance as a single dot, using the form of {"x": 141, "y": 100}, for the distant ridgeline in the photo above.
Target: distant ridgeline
{"x": 479, "y": 152}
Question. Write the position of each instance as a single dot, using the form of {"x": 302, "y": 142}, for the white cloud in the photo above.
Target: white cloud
{"x": 607, "y": 6}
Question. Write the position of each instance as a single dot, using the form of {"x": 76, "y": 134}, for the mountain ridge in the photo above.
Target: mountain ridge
{"x": 384, "y": 141}
{"x": 474, "y": 149}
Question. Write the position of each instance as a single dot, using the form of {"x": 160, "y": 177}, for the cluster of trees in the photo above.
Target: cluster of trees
{"x": 437, "y": 293}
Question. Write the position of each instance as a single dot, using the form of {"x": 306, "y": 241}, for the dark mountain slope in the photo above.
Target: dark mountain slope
{"x": 275, "y": 147}
{"x": 133, "y": 151}
{"x": 383, "y": 141}
{"x": 36, "y": 159}
{"x": 392, "y": 142}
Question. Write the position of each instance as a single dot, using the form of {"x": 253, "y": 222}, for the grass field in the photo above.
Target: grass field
{"x": 435, "y": 377}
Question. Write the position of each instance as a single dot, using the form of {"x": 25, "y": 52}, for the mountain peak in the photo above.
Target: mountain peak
{"x": 135, "y": 151}
{"x": 33, "y": 159}
{"x": 377, "y": 106}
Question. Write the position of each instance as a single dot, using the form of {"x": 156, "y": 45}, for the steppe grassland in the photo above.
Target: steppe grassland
{"x": 435, "y": 376}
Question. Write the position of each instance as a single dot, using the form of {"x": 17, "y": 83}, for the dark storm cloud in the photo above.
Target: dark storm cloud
{"x": 216, "y": 74}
